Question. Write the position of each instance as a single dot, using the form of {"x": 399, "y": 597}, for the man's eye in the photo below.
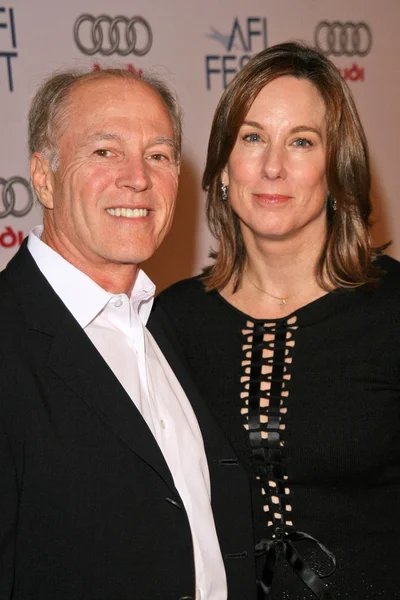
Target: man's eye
{"x": 158, "y": 157}
{"x": 252, "y": 137}
{"x": 303, "y": 143}
{"x": 103, "y": 152}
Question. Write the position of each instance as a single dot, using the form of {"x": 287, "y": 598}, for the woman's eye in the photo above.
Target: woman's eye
{"x": 303, "y": 143}
{"x": 103, "y": 152}
{"x": 252, "y": 137}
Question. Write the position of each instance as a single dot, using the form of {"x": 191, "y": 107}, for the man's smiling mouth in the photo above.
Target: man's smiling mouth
{"x": 131, "y": 213}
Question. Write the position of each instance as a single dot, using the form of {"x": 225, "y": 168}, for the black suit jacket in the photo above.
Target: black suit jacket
{"x": 88, "y": 507}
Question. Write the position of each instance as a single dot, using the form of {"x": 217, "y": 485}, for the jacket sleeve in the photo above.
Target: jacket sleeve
{"x": 8, "y": 515}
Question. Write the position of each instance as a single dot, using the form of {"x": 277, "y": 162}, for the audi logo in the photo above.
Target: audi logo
{"x": 343, "y": 39}
{"x": 105, "y": 26}
{"x": 8, "y": 197}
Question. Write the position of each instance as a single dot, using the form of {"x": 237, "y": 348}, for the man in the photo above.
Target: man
{"x": 105, "y": 486}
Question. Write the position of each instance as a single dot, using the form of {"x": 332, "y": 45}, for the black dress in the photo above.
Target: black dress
{"x": 319, "y": 391}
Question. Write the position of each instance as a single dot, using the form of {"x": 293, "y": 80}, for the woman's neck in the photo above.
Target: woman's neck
{"x": 278, "y": 278}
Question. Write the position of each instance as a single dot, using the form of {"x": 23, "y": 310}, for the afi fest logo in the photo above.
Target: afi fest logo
{"x": 112, "y": 35}
{"x": 16, "y": 200}
{"x": 246, "y": 37}
{"x": 8, "y": 42}
{"x": 345, "y": 39}
{"x": 16, "y": 197}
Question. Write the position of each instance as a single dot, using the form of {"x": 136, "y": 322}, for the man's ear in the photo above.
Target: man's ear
{"x": 42, "y": 179}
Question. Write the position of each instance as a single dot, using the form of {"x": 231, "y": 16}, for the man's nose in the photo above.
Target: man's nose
{"x": 134, "y": 173}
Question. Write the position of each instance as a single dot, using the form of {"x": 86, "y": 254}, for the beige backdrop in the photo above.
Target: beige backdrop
{"x": 197, "y": 46}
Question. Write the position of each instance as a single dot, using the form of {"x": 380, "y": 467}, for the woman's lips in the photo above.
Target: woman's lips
{"x": 272, "y": 198}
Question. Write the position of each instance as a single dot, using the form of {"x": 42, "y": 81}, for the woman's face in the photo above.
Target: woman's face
{"x": 276, "y": 171}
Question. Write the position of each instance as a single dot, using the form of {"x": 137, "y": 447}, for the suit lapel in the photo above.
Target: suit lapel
{"x": 76, "y": 361}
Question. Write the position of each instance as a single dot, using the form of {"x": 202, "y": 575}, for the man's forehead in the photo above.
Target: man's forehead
{"x": 103, "y": 87}
{"x": 100, "y": 98}
{"x": 111, "y": 95}
{"x": 114, "y": 107}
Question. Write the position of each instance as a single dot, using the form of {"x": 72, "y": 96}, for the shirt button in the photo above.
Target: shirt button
{"x": 162, "y": 423}
{"x": 118, "y": 301}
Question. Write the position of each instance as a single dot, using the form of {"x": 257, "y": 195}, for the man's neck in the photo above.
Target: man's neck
{"x": 112, "y": 277}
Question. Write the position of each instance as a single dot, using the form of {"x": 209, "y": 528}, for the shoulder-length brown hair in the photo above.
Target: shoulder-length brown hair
{"x": 346, "y": 259}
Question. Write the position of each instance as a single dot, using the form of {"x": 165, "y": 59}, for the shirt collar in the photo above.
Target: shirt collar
{"x": 83, "y": 297}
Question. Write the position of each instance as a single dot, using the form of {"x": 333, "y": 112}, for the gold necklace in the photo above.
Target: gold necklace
{"x": 282, "y": 300}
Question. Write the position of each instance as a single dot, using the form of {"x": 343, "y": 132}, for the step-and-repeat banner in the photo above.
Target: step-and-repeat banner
{"x": 197, "y": 46}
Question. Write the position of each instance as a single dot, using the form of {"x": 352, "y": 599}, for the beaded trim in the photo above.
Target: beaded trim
{"x": 268, "y": 351}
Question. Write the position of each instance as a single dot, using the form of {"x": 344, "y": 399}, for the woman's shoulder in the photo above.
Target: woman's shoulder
{"x": 384, "y": 299}
{"x": 192, "y": 285}
{"x": 390, "y": 268}
{"x": 185, "y": 296}
{"x": 190, "y": 288}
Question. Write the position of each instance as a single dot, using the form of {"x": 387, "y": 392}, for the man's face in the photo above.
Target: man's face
{"x": 112, "y": 197}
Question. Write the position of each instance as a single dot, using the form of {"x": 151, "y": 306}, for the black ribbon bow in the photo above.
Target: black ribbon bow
{"x": 282, "y": 545}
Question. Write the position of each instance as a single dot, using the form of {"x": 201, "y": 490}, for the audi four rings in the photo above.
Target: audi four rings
{"x": 96, "y": 35}
{"x": 343, "y": 39}
{"x": 8, "y": 197}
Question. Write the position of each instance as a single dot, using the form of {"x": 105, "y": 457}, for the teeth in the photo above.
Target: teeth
{"x": 130, "y": 213}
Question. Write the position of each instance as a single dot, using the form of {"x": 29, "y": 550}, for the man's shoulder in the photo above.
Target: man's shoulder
{"x": 17, "y": 266}
{"x": 8, "y": 282}
{"x": 25, "y": 294}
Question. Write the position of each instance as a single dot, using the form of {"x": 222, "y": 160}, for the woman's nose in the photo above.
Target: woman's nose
{"x": 274, "y": 163}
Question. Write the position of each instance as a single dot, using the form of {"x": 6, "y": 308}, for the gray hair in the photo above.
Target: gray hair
{"x": 48, "y": 107}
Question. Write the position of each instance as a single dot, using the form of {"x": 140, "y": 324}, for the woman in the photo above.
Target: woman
{"x": 292, "y": 334}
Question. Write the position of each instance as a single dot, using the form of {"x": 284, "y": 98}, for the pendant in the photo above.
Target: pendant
{"x": 282, "y": 303}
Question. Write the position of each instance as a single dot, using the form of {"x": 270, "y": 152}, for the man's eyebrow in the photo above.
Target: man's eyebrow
{"x": 165, "y": 140}
{"x": 168, "y": 142}
{"x": 100, "y": 136}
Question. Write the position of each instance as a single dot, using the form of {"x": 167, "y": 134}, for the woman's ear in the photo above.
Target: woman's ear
{"x": 225, "y": 176}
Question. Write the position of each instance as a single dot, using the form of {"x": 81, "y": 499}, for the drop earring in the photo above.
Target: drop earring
{"x": 224, "y": 192}
{"x": 332, "y": 202}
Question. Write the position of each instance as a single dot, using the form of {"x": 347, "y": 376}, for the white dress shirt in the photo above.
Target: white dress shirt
{"x": 116, "y": 326}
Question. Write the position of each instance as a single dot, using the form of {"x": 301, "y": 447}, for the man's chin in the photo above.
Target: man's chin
{"x": 133, "y": 258}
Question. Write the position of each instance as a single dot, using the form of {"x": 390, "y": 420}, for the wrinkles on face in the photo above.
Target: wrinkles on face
{"x": 118, "y": 151}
